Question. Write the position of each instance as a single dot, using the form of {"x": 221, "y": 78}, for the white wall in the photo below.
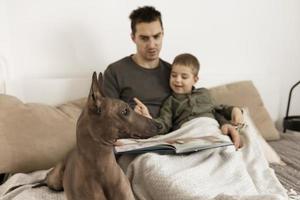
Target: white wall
{"x": 234, "y": 40}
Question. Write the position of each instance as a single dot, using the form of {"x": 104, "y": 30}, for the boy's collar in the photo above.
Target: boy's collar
{"x": 185, "y": 94}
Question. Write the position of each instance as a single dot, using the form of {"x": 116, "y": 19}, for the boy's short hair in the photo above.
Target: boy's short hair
{"x": 144, "y": 14}
{"x": 188, "y": 60}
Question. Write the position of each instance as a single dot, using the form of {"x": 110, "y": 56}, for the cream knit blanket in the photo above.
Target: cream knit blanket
{"x": 221, "y": 173}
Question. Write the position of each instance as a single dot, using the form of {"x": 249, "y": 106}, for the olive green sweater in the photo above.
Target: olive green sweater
{"x": 180, "y": 108}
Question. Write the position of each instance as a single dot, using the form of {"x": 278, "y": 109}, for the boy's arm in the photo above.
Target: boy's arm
{"x": 165, "y": 114}
{"x": 141, "y": 108}
{"x": 165, "y": 118}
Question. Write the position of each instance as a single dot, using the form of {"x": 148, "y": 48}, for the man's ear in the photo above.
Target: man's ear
{"x": 132, "y": 37}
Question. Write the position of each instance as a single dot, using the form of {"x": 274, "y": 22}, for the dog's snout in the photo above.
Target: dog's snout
{"x": 155, "y": 127}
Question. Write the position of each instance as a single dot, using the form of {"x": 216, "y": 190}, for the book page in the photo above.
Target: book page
{"x": 202, "y": 132}
{"x": 200, "y": 143}
{"x": 144, "y": 146}
{"x": 178, "y": 145}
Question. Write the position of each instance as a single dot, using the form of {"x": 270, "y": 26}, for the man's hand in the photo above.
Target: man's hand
{"x": 231, "y": 131}
{"x": 236, "y": 116}
{"x": 141, "y": 109}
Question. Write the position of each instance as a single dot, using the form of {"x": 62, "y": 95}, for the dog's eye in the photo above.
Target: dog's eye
{"x": 125, "y": 112}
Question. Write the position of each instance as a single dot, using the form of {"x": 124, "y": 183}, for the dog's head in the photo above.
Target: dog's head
{"x": 109, "y": 119}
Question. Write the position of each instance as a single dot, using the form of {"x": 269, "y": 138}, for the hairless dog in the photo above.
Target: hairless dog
{"x": 90, "y": 171}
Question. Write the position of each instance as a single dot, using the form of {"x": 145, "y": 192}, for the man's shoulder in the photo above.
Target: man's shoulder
{"x": 127, "y": 62}
{"x": 165, "y": 63}
{"x": 123, "y": 61}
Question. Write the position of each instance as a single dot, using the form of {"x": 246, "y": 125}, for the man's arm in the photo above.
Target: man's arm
{"x": 232, "y": 113}
{"x": 226, "y": 116}
{"x": 234, "y": 135}
{"x": 237, "y": 116}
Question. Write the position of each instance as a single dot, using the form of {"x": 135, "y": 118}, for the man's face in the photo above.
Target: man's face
{"x": 148, "y": 39}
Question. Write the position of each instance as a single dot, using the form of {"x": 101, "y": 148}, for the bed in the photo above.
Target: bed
{"x": 288, "y": 149}
{"x": 35, "y": 136}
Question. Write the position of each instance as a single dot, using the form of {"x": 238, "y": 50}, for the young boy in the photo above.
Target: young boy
{"x": 187, "y": 103}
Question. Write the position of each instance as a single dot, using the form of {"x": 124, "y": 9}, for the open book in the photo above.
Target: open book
{"x": 172, "y": 145}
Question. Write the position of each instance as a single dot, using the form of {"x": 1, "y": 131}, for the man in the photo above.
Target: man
{"x": 143, "y": 74}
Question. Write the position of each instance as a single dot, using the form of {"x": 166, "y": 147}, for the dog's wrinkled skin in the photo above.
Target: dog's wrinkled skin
{"x": 90, "y": 171}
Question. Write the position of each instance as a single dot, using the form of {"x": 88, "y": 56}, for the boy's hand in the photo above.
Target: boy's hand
{"x": 141, "y": 108}
{"x": 231, "y": 131}
{"x": 118, "y": 143}
{"x": 236, "y": 116}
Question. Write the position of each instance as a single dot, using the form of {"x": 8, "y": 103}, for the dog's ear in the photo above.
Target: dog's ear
{"x": 100, "y": 82}
{"x": 95, "y": 96}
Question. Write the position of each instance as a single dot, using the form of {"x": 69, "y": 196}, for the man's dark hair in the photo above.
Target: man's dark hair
{"x": 144, "y": 14}
{"x": 188, "y": 60}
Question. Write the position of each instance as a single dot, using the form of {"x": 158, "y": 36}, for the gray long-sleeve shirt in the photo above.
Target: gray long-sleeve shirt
{"x": 125, "y": 80}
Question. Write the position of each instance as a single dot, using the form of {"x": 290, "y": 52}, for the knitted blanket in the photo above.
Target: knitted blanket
{"x": 19, "y": 187}
{"x": 221, "y": 173}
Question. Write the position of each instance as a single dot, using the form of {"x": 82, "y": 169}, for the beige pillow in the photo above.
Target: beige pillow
{"x": 244, "y": 94}
{"x": 35, "y": 136}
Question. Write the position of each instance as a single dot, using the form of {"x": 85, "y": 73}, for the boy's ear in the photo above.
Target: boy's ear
{"x": 196, "y": 78}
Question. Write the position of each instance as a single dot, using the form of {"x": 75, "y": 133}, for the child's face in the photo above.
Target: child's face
{"x": 182, "y": 79}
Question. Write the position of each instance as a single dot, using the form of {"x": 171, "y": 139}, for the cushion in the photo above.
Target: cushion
{"x": 35, "y": 136}
{"x": 244, "y": 94}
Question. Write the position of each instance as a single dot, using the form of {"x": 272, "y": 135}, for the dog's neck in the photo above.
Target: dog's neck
{"x": 95, "y": 150}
